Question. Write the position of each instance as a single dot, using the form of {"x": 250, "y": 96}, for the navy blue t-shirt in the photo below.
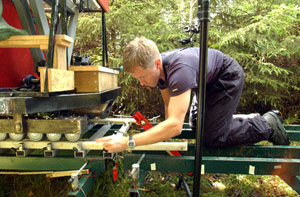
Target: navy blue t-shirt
{"x": 183, "y": 68}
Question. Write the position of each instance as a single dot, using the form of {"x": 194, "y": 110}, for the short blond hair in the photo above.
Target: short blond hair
{"x": 140, "y": 52}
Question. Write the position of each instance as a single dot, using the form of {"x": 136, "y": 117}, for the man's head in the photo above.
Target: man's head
{"x": 142, "y": 60}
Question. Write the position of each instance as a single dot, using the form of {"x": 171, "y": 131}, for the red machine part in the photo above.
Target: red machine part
{"x": 15, "y": 64}
{"x": 145, "y": 124}
{"x": 115, "y": 172}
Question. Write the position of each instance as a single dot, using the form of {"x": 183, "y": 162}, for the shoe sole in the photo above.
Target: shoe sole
{"x": 280, "y": 127}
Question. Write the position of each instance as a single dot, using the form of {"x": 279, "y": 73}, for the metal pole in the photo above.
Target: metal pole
{"x": 103, "y": 39}
{"x": 203, "y": 14}
{"x": 53, "y": 23}
{"x": 51, "y": 42}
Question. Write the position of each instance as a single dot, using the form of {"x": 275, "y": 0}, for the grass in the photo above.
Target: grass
{"x": 33, "y": 185}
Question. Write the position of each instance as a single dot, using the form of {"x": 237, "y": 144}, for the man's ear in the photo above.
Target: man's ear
{"x": 158, "y": 62}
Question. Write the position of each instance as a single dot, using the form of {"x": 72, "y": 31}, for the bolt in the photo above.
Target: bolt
{"x": 18, "y": 127}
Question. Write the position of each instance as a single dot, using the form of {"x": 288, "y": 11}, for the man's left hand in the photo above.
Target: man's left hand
{"x": 114, "y": 143}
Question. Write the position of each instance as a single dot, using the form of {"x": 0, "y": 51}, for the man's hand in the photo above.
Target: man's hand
{"x": 114, "y": 143}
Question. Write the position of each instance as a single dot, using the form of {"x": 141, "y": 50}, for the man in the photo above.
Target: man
{"x": 176, "y": 74}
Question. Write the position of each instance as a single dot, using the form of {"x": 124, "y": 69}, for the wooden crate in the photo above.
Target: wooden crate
{"x": 94, "y": 78}
{"x": 58, "y": 80}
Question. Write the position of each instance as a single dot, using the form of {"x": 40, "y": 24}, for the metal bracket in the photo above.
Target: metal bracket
{"x": 19, "y": 123}
{"x": 74, "y": 178}
{"x": 134, "y": 175}
{"x": 21, "y": 152}
{"x": 49, "y": 152}
{"x": 79, "y": 152}
{"x": 108, "y": 155}
{"x": 124, "y": 129}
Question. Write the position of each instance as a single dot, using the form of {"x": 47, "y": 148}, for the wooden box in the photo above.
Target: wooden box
{"x": 58, "y": 80}
{"x": 94, "y": 78}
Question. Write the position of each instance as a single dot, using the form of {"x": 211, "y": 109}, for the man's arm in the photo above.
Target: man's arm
{"x": 165, "y": 93}
{"x": 172, "y": 126}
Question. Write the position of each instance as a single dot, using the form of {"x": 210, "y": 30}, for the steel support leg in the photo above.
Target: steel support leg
{"x": 85, "y": 185}
{"x": 185, "y": 185}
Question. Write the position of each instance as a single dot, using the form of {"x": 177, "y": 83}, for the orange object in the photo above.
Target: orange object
{"x": 104, "y": 5}
{"x": 115, "y": 172}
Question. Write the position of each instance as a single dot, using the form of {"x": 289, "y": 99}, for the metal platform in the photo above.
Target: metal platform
{"x": 278, "y": 160}
{"x": 66, "y": 156}
{"x": 29, "y": 105}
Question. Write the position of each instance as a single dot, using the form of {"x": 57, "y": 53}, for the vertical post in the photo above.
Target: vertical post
{"x": 64, "y": 21}
{"x": 203, "y": 14}
{"x": 52, "y": 31}
{"x": 51, "y": 42}
{"x": 103, "y": 39}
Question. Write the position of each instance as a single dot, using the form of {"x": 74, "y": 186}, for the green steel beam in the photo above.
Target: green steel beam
{"x": 294, "y": 135}
{"x": 226, "y": 165}
{"x": 293, "y": 127}
{"x": 270, "y": 151}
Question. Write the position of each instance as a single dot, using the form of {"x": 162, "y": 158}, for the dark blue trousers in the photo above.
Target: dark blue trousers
{"x": 222, "y": 98}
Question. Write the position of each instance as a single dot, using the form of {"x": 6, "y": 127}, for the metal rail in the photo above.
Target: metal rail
{"x": 89, "y": 145}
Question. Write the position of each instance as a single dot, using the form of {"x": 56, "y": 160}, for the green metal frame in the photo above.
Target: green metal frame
{"x": 283, "y": 161}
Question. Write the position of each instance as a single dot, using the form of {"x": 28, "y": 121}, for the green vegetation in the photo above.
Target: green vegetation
{"x": 262, "y": 35}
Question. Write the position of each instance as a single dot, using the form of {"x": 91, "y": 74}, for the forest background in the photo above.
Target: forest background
{"x": 263, "y": 36}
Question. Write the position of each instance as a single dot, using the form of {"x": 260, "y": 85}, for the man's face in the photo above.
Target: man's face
{"x": 147, "y": 77}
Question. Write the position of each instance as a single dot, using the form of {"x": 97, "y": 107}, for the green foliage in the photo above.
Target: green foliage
{"x": 156, "y": 20}
{"x": 33, "y": 185}
{"x": 266, "y": 43}
{"x": 263, "y": 36}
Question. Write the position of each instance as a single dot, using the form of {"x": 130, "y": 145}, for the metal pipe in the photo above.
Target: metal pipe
{"x": 104, "y": 50}
{"x": 135, "y": 168}
{"x": 89, "y": 145}
{"x": 52, "y": 33}
{"x": 203, "y": 14}
{"x": 186, "y": 187}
